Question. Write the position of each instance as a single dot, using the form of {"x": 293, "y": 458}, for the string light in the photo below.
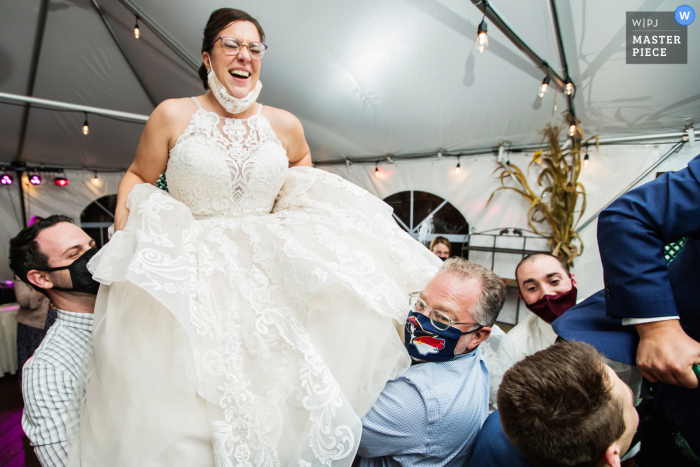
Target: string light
{"x": 585, "y": 158}
{"x": 376, "y": 170}
{"x": 569, "y": 87}
{"x": 6, "y": 179}
{"x": 482, "y": 40}
{"x": 95, "y": 180}
{"x": 572, "y": 129}
{"x": 544, "y": 87}
{"x": 35, "y": 179}
{"x": 137, "y": 31}
{"x": 61, "y": 181}
{"x": 459, "y": 166}
{"x": 86, "y": 128}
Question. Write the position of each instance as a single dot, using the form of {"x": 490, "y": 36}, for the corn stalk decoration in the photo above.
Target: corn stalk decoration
{"x": 556, "y": 204}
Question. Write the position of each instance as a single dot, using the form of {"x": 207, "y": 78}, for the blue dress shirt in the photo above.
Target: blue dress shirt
{"x": 428, "y": 417}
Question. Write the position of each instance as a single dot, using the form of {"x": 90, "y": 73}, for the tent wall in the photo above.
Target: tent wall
{"x": 611, "y": 169}
{"x": 46, "y": 199}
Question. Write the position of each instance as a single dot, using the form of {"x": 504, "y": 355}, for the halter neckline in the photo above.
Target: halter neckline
{"x": 199, "y": 105}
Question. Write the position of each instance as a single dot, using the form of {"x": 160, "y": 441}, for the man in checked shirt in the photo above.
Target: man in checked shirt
{"x": 52, "y": 256}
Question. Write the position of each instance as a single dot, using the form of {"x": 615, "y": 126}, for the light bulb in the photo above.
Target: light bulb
{"x": 569, "y": 88}
{"x": 572, "y": 129}
{"x": 95, "y": 180}
{"x": 376, "y": 171}
{"x": 137, "y": 31}
{"x": 458, "y": 168}
{"x": 544, "y": 86}
{"x": 86, "y": 129}
{"x": 482, "y": 40}
{"x": 585, "y": 161}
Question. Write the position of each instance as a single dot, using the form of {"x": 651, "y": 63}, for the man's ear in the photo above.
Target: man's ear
{"x": 573, "y": 279}
{"x": 611, "y": 456}
{"x": 41, "y": 279}
{"x": 478, "y": 337}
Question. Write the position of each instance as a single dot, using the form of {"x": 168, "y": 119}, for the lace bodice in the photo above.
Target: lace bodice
{"x": 226, "y": 166}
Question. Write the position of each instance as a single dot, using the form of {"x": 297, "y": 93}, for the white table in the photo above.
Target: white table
{"x": 8, "y": 338}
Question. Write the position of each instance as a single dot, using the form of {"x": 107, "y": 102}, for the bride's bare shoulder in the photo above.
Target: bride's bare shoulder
{"x": 175, "y": 111}
{"x": 285, "y": 124}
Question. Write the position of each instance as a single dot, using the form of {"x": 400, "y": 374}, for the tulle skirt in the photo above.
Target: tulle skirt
{"x": 258, "y": 340}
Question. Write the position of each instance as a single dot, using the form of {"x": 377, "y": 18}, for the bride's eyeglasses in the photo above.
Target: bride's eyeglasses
{"x": 437, "y": 318}
{"x": 233, "y": 47}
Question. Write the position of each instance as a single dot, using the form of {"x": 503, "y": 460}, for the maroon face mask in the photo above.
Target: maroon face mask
{"x": 550, "y": 307}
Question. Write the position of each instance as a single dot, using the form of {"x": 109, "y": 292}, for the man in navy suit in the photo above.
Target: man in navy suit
{"x": 653, "y": 311}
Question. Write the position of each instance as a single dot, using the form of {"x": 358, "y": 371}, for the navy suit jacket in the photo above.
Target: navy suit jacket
{"x": 638, "y": 284}
{"x": 494, "y": 449}
{"x": 632, "y": 233}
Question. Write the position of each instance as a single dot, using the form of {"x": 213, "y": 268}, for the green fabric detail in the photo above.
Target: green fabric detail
{"x": 672, "y": 249}
{"x": 162, "y": 183}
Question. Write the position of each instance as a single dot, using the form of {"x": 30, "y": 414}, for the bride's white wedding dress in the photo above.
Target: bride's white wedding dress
{"x": 250, "y": 316}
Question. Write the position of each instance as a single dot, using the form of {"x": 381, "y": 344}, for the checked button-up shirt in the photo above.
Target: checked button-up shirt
{"x": 51, "y": 386}
{"x": 428, "y": 417}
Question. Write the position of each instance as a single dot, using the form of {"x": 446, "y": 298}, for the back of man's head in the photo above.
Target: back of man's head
{"x": 558, "y": 408}
{"x": 25, "y": 252}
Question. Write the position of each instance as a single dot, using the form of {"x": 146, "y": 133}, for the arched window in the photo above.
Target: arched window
{"x": 97, "y": 217}
{"x": 425, "y": 216}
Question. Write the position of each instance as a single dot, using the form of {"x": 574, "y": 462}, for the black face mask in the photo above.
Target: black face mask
{"x": 79, "y": 275}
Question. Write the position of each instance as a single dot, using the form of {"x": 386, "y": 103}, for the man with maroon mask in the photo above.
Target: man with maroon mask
{"x": 546, "y": 289}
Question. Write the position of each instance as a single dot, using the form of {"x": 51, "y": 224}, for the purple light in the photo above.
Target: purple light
{"x": 35, "y": 180}
{"x": 6, "y": 180}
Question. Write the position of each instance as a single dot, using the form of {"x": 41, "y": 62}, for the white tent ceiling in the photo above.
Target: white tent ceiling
{"x": 366, "y": 77}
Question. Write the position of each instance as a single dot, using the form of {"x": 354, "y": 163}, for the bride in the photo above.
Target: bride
{"x": 249, "y": 316}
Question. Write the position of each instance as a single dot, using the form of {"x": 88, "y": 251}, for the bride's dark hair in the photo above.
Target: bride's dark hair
{"x": 218, "y": 21}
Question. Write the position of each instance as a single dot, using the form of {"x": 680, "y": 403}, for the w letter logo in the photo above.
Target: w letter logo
{"x": 684, "y": 15}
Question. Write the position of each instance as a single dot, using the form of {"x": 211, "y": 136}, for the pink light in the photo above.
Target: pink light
{"x": 35, "y": 180}
{"x": 6, "y": 180}
{"x": 61, "y": 181}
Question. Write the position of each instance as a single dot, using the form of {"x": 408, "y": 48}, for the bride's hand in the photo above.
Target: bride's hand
{"x": 121, "y": 215}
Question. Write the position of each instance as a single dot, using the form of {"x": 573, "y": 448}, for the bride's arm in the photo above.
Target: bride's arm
{"x": 151, "y": 157}
{"x": 298, "y": 150}
{"x": 290, "y": 132}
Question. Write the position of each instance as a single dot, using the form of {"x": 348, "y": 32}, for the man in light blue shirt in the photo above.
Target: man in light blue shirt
{"x": 432, "y": 414}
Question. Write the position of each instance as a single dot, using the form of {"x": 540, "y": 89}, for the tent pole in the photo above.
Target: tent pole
{"x": 518, "y": 42}
{"x": 19, "y": 172}
{"x": 36, "y": 53}
{"x": 123, "y": 51}
{"x": 179, "y": 50}
{"x": 562, "y": 55}
{"x": 77, "y": 108}
{"x": 494, "y": 150}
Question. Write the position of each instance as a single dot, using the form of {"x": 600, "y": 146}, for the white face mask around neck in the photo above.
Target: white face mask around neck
{"x": 232, "y": 105}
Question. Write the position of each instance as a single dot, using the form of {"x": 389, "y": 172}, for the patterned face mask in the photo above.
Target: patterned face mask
{"x": 425, "y": 342}
{"x": 233, "y": 105}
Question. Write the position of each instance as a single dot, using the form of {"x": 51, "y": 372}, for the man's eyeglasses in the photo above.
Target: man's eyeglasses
{"x": 437, "y": 318}
{"x": 233, "y": 47}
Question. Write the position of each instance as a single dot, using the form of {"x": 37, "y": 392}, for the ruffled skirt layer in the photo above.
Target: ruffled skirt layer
{"x": 247, "y": 341}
